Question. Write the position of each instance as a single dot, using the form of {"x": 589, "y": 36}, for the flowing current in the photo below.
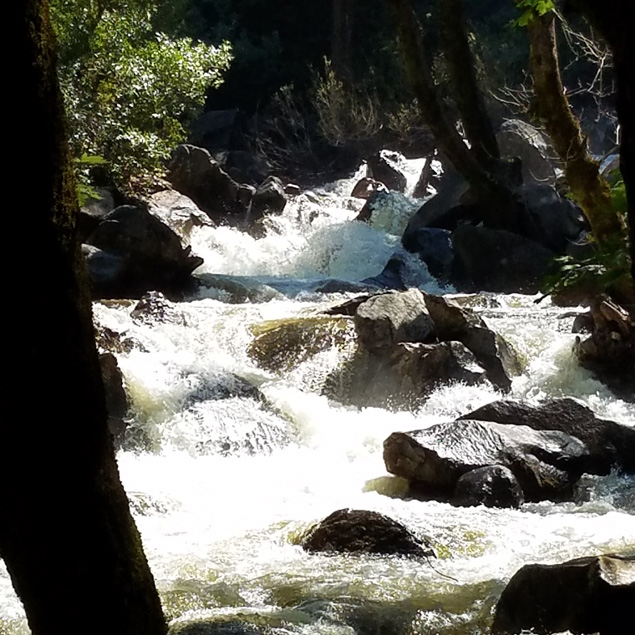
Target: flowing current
{"x": 227, "y": 465}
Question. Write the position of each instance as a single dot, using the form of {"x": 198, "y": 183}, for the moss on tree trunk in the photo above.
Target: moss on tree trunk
{"x": 66, "y": 535}
{"x": 589, "y": 188}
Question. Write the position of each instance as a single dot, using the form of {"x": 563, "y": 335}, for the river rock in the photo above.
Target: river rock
{"x": 178, "y": 212}
{"x": 388, "y": 318}
{"x": 546, "y": 463}
{"x": 611, "y": 444}
{"x": 138, "y": 253}
{"x": 492, "y": 486}
{"x": 498, "y": 260}
{"x": 366, "y": 186}
{"x": 520, "y": 139}
{"x": 434, "y": 247}
{"x": 391, "y": 276}
{"x": 609, "y": 352}
{"x": 494, "y": 354}
{"x": 280, "y": 345}
{"x": 384, "y": 170}
{"x": 593, "y": 594}
{"x": 402, "y": 377}
{"x": 193, "y": 172}
{"x": 269, "y": 198}
{"x": 361, "y": 531}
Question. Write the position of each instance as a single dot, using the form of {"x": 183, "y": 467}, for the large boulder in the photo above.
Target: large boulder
{"x": 611, "y": 444}
{"x": 179, "y": 212}
{"x": 498, "y": 260}
{"x": 550, "y": 219}
{"x": 388, "y": 318}
{"x": 402, "y": 376}
{"x": 519, "y": 139}
{"x": 451, "y": 322}
{"x": 193, "y": 172}
{"x": 546, "y": 464}
{"x": 609, "y": 352}
{"x": 137, "y": 253}
{"x": 593, "y": 594}
{"x": 269, "y": 198}
{"x": 409, "y": 343}
{"x": 386, "y": 171}
{"x": 361, "y": 531}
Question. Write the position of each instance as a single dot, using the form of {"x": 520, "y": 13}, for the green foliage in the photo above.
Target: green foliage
{"x": 82, "y": 168}
{"x": 532, "y": 8}
{"x": 605, "y": 266}
{"x": 130, "y": 91}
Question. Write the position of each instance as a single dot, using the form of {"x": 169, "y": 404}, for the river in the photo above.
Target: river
{"x": 223, "y": 484}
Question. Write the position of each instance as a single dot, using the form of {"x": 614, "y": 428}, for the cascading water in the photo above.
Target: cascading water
{"x": 226, "y": 465}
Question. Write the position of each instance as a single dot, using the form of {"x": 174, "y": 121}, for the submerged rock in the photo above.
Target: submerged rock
{"x": 594, "y": 594}
{"x": 361, "y": 531}
{"x": 611, "y": 444}
{"x": 546, "y": 463}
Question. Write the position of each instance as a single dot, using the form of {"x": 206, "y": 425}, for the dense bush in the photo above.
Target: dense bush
{"x": 130, "y": 91}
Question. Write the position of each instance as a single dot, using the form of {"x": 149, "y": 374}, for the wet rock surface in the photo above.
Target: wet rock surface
{"x": 546, "y": 464}
{"x": 594, "y": 594}
{"x": 492, "y": 486}
{"x": 611, "y": 444}
{"x": 361, "y": 531}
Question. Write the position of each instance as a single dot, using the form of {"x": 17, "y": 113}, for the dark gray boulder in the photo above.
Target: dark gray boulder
{"x": 492, "y": 486}
{"x": 402, "y": 376}
{"x": 611, "y": 444}
{"x": 178, "y": 212}
{"x": 493, "y": 352}
{"x": 519, "y": 139}
{"x": 137, "y": 253}
{"x": 361, "y": 531}
{"x": 193, "y": 172}
{"x": 546, "y": 464}
{"x": 384, "y": 170}
{"x": 434, "y": 247}
{"x": 498, "y": 260}
{"x": 609, "y": 352}
{"x": 390, "y": 277}
{"x": 593, "y": 594}
{"x": 385, "y": 319}
{"x": 269, "y": 198}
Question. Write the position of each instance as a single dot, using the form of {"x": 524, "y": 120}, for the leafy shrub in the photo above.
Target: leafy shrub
{"x": 130, "y": 91}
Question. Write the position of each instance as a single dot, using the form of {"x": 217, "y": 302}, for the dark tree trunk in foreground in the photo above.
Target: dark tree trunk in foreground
{"x": 589, "y": 188}
{"x": 490, "y": 178}
{"x": 613, "y": 19}
{"x": 66, "y": 533}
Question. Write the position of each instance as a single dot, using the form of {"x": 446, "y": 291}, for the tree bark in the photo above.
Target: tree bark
{"x": 467, "y": 95}
{"x": 589, "y": 188}
{"x": 66, "y": 535}
{"x": 613, "y": 19}
{"x": 491, "y": 182}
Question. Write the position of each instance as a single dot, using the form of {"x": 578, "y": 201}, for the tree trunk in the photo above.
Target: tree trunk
{"x": 491, "y": 181}
{"x": 589, "y": 188}
{"x": 66, "y": 535}
{"x": 467, "y": 95}
{"x": 613, "y": 19}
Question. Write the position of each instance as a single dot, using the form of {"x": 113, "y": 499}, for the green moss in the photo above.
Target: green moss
{"x": 280, "y": 345}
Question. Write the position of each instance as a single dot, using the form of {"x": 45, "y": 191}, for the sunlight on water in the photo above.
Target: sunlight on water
{"x": 227, "y": 464}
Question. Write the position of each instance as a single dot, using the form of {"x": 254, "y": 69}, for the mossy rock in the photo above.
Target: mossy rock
{"x": 279, "y": 345}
